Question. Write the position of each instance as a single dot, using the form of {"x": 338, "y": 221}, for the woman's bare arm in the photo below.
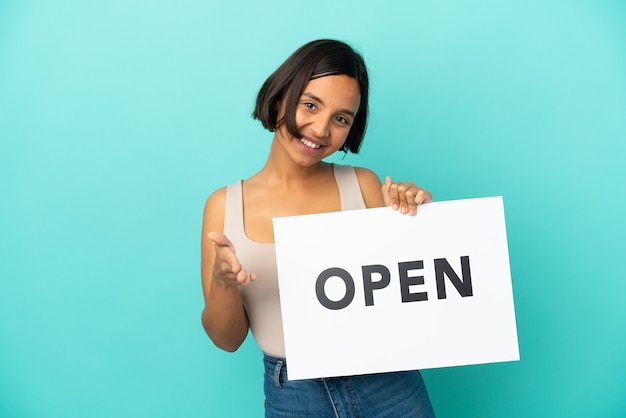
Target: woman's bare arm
{"x": 224, "y": 317}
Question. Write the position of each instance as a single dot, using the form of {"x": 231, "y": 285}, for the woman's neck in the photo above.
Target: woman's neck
{"x": 280, "y": 168}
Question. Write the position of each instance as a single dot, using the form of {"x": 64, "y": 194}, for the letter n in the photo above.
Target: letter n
{"x": 443, "y": 268}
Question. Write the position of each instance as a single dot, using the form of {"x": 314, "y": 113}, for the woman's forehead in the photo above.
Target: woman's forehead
{"x": 335, "y": 90}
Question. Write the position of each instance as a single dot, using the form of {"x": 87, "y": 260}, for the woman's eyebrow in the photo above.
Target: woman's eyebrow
{"x": 314, "y": 97}
{"x": 320, "y": 101}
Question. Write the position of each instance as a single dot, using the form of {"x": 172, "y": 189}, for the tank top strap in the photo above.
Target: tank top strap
{"x": 233, "y": 213}
{"x": 349, "y": 188}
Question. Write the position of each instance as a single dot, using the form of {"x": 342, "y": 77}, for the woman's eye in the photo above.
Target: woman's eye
{"x": 343, "y": 120}
{"x": 309, "y": 105}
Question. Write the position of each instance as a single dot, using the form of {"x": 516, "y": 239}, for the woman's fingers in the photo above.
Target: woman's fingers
{"x": 227, "y": 266}
{"x": 385, "y": 189}
{"x": 404, "y": 196}
{"x": 406, "y": 203}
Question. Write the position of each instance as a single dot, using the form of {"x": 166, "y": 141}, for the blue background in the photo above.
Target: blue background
{"x": 118, "y": 119}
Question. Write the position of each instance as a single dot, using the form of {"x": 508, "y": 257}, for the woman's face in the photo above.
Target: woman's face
{"x": 324, "y": 115}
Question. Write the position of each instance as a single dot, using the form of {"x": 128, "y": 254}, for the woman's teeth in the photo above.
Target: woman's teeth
{"x": 309, "y": 143}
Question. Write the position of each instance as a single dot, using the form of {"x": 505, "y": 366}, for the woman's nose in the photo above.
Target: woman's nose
{"x": 321, "y": 127}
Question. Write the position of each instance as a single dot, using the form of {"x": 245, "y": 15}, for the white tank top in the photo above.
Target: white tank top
{"x": 261, "y": 298}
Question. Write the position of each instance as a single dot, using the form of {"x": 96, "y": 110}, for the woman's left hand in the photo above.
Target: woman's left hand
{"x": 404, "y": 196}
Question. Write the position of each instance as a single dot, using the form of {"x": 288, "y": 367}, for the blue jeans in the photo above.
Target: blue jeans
{"x": 400, "y": 394}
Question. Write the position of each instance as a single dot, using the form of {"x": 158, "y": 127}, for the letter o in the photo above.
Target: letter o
{"x": 321, "y": 283}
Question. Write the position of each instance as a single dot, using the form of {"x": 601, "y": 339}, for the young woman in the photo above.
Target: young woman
{"x": 316, "y": 104}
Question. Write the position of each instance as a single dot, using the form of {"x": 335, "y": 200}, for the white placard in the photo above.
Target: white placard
{"x": 373, "y": 290}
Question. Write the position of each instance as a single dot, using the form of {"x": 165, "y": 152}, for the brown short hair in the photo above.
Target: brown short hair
{"x": 313, "y": 60}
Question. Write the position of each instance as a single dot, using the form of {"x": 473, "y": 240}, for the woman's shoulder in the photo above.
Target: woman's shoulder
{"x": 370, "y": 187}
{"x": 215, "y": 202}
{"x": 367, "y": 176}
{"x": 363, "y": 174}
{"x": 214, "y": 209}
{"x": 218, "y": 196}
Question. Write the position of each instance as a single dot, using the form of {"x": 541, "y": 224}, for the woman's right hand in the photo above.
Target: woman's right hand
{"x": 226, "y": 268}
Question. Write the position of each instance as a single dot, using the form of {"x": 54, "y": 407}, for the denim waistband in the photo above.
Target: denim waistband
{"x": 398, "y": 394}
{"x": 275, "y": 367}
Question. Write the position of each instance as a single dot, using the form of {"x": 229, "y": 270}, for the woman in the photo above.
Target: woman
{"x": 316, "y": 104}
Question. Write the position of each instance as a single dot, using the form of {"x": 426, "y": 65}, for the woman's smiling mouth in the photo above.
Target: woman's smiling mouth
{"x": 309, "y": 143}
